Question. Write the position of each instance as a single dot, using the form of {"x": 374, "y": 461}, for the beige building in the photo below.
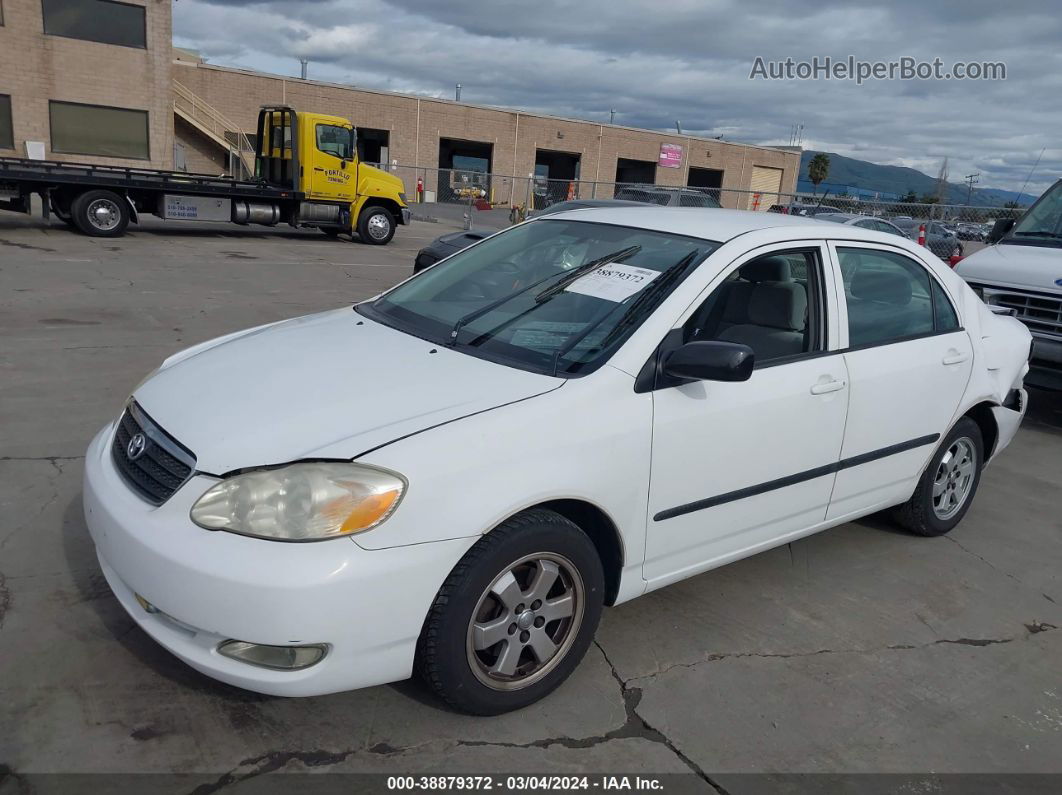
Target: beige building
{"x": 98, "y": 81}
{"x": 89, "y": 80}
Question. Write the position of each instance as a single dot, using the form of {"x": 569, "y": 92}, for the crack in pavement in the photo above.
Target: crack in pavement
{"x": 1032, "y": 628}
{"x": 275, "y": 760}
{"x": 635, "y": 726}
{"x": 993, "y": 566}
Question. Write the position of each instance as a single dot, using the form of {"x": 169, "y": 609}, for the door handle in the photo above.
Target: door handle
{"x": 318, "y": 168}
{"x": 827, "y": 387}
{"x": 954, "y": 357}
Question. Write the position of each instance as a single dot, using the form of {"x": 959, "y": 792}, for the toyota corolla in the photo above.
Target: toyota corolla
{"x": 456, "y": 476}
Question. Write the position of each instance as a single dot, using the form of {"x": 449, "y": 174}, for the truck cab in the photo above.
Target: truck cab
{"x": 1021, "y": 271}
{"x": 315, "y": 156}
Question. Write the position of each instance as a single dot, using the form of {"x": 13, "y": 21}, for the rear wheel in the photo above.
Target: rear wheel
{"x": 515, "y": 616}
{"x": 100, "y": 213}
{"x": 376, "y": 225}
{"x": 948, "y": 485}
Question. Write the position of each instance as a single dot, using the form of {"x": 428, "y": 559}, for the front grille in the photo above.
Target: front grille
{"x": 1041, "y": 312}
{"x": 157, "y": 470}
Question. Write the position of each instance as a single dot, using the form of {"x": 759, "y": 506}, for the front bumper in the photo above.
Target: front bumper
{"x": 1045, "y": 367}
{"x": 368, "y": 606}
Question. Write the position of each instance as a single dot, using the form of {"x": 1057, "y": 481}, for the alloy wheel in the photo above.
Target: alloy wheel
{"x": 954, "y": 478}
{"x": 525, "y": 621}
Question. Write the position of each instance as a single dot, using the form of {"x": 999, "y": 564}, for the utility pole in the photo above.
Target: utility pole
{"x": 970, "y": 180}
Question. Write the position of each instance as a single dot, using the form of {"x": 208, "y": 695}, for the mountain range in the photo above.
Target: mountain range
{"x": 848, "y": 172}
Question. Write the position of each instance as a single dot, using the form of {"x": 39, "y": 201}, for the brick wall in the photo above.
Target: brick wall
{"x": 415, "y": 126}
{"x": 35, "y": 68}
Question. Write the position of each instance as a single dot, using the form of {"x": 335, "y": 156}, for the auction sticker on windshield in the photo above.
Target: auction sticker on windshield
{"x": 613, "y": 282}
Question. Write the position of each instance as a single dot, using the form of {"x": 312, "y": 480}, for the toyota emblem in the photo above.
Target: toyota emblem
{"x": 136, "y": 446}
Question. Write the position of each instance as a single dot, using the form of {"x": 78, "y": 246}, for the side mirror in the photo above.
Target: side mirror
{"x": 711, "y": 361}
{"x": 999, "y": 229}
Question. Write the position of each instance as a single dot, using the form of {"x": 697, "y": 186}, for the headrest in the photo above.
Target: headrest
{"x": 781, "y": 305}
{"x": 887, "y": 287}
{"x": 766, "y": 269}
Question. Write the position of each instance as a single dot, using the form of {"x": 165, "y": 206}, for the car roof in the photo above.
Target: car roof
{"x": 701, "y": 222}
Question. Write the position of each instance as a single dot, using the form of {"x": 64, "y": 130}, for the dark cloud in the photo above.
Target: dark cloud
{"x": 688, "y": 60}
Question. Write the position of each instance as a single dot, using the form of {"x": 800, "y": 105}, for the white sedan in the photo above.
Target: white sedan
{"x": 456, "y": 476}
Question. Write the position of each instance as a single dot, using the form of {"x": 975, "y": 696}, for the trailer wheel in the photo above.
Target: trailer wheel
{"x": 100, "y": 213}
{"x": 376, "y": 225}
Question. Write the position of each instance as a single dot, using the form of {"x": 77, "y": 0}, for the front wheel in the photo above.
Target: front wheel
{"x": 376, "y": 225}
{"x": 515, "y": 616}
{"x": 948, "y": 485}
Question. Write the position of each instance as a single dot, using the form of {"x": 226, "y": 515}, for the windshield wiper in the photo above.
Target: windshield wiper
{"x": 569, "y": 277}
{"x": 654, "y": 288}
{"x": 1040, "y": 233}
{"x": 584, "y": 269}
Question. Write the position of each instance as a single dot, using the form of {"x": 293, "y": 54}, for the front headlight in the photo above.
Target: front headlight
{"x": 301, "y": 502}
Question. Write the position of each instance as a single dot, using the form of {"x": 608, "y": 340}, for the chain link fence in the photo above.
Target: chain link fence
{"x": 949, "y": 229}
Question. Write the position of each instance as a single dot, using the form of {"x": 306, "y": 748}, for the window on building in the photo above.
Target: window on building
{"x": 96, "y": 20}
{"x": 7, "y": 133}
{"x": 96, "y": 130}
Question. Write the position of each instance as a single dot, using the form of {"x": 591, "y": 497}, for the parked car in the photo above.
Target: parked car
{"x": 452, "y": 242}
{"x": 863, "y": 222}
{"x": 457, "y": 475}
{"x": 669, "y": 197}
{"x": 945, "y": 244}
{"x": 797, "y": 208}
{"x": 445, "y": 245}
{"x": 968, "y": 231}
{"x": 1022, "y": 273}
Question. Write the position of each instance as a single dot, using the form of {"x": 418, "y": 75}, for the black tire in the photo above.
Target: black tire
{"x": 331, "y": 231}
{"x": 100, "y": 213}
{"x": 376, "y": 226}
{"x": 446, "y": 658}
{"x": 928, "y": 515}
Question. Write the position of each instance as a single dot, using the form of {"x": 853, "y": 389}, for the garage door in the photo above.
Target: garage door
{"x": 766, "y": 182}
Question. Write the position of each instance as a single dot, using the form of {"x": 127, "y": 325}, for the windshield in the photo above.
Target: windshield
{"x": 1043, "y": 221}
{"x": 552, "y": 296}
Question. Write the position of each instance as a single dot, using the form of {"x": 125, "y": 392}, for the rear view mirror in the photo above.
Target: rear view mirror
{"x": 999, "y": 229}
{"x": 711, "y": 361}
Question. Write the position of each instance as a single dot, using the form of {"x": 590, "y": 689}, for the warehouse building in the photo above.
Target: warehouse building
{"x": 99, "y": 81}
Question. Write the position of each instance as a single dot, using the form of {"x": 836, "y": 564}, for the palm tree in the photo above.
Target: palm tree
{"x": 818, "y": 169}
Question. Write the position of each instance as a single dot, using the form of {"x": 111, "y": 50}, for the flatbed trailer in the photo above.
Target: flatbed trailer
{"x": 306, "y": 179}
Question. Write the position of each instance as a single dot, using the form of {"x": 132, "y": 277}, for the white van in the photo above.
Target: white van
{"x": 1022, "y": 271}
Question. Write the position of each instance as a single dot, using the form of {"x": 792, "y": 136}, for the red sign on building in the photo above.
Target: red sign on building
{"x": 670, "y": 156}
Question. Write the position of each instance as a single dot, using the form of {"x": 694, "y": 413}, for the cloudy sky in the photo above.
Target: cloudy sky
{"x": 656, "y": 61}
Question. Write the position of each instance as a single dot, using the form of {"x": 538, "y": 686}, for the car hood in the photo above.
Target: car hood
{"x": 1031, "y": 267}
{"x": 332, "y": 385}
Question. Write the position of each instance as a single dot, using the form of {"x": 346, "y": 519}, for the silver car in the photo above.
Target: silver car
{"x": 863, "y": 221}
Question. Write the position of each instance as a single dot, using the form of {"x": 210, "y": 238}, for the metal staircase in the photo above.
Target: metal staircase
{"x": 217, "y": 129}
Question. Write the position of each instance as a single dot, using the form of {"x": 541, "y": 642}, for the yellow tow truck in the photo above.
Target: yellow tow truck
{"x": 307, "y": 174}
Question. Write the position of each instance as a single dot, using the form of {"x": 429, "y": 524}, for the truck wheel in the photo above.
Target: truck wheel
{"x": 100, "y": 213}
{"x": 376, "y": 226}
